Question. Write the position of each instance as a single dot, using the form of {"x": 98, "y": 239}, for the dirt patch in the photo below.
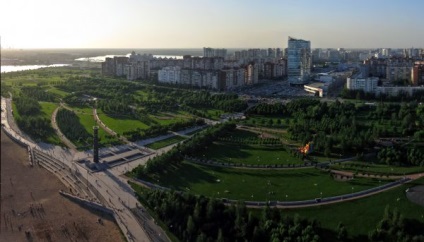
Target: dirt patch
{"x": 416, "y": 195}
{"x": 33, "y": 210}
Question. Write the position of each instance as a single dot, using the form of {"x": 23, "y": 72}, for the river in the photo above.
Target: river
{"x": 5, "y": 69}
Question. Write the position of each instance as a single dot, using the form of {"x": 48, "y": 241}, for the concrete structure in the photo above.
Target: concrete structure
{"x": 316, "y": 88}
{"x": 211, "y": 52}
{"x": 299, "y": 61}
{"x": 368, "y": 84}
{"x": 252, "y": 74}
{"x": 417, "y": 73}
{"x": 399, "y": 69}
{"x": 137, "y": 70}
{"x": 95, "y": 144}
{"x": 170, "y": 74}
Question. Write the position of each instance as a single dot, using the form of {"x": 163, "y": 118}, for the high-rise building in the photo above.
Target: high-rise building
{"x": 211, "y": 52}
{"x": 299, "y": 61}
{"x": 208, "y": 52}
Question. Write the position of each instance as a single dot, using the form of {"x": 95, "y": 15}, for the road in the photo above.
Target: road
{"x": 107, "y": 183}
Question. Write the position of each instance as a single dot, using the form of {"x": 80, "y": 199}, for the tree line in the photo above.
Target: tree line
{"x": 187, "y": 148}
{"x": 197, "y": 218}
{"x": 29, "y": 118}
{"x": 71, "y": 127}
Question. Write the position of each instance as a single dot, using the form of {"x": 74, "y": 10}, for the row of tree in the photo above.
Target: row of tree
{"x": 38, "y": 93}
{"x": 398, "y": 155}
{"x": 157, "y": 129}
{"x": 394, "y": 227}
{"x": 71, "y": 127}
{"x": 189, "y": 147}
{"x": 197, "y": 218}
{"x": 27, "y": 106}
{"x": 402, "y": 96}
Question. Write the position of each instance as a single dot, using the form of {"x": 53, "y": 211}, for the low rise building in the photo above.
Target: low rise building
{"x": 368, "y": 84}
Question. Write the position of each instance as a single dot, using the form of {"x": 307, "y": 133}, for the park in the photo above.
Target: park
{"x": 352, "y": 147}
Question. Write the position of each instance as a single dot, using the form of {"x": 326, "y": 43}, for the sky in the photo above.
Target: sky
{"x": 210, "y": 23}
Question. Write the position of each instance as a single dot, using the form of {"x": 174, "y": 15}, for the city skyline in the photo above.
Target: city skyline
{"x": 219, "y": 24}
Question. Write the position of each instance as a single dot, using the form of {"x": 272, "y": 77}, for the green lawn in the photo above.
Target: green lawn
{"x": 58, "y": 92}
{"x": 169, "y": 118}
{"x": 298, "y": 184}
{"x": 87, "y": 120}
{"x": 361, "y": 216}
{"x": 248, "y": 154}
{"x": 165, "y": 142}
{"x": 371, "y": 168}
{"x": 47, "y": 108}
{"x": 121, "y": 125}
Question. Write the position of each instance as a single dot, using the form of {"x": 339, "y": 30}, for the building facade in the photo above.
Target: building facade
{"x": 417, "y": 73}
{"x": 368, "y": 84}
{"x": 170, "y": 74}
{"x": 299, "y": 61}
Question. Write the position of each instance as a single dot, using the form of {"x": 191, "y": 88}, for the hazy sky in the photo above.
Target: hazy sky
{"x": 213, "y": 23}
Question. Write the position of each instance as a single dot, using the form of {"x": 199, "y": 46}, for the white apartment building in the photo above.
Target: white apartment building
{"x": 368, "y": 84}
{"x": 299, "y": 61}
{"x": 170, "y": 74}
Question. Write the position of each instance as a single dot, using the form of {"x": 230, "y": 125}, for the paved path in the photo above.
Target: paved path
{"x": 113, "y": 189}
{"x": 59, "y": 133}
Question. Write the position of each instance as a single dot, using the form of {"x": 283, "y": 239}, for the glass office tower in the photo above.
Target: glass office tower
{"x": 299, "y": 61}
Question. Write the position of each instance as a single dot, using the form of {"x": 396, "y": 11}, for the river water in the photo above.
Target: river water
{"x": 5, "y": 69}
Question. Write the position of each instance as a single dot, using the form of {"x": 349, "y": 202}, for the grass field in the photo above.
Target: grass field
{"x": 369, "y": 168}
{"x": 121, "y": 125}
{"x": 248, "y": 154}
{"x": 167, "y": 118}
{"x": 58, "y": 92}
{"x": 165, "y": 142}
{"x": 259, "y": 185}
{"x": 361, "y": 216}
{"x": 47, "y": 109}
{"x": 87, "y": 120}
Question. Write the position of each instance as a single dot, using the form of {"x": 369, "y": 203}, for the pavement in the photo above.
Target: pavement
{"x": 108, "y": 183}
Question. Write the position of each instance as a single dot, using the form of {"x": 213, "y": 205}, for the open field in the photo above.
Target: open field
{"x": 248, "y": 154}
{"x": 166, "y": 118}
{"x": 259, "y": 185}
{"x": 165, "y": 142}
{"x": 54, "y": 218}
{"x": 361, "y": 216}
{"x": 87, "y": 120}
{"x": 58, "y": 92}
{"x": 121, "y": 125}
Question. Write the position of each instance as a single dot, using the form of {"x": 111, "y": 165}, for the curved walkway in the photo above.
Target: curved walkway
{"x": 62, "y": 137}
{"x": 265, "y": 166}
{"x": 303, "y": 203}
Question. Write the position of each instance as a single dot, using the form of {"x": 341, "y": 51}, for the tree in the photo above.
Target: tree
{"x": 341, "y": 232}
